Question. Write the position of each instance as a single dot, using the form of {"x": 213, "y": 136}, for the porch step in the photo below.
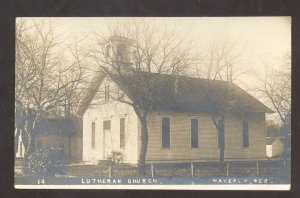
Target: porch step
{"x": 19, "y": 166}
{"x": 19, "y": 162}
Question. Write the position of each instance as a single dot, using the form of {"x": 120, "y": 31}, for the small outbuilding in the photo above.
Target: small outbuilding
{"x": 59, "y": 134}
{"x": 274, "y": 147}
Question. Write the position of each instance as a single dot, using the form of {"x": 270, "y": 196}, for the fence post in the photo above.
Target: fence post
{"x": 257, "y": 169}
{"x": 192, "y": 169}
{"x": 152, "y": 170}
{"x": 227, "y": 169}
{"x": 109, "y": 171}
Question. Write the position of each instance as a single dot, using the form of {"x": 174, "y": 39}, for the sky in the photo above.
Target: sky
{"x": 259, "y": 40}
{"x": 258, "y": 37}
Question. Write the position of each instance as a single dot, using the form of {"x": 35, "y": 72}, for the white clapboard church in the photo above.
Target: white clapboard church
{"x": 180, "y": 127}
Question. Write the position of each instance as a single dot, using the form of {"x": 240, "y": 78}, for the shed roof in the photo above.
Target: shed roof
{"x": 271, "y": 140}
{"x": 55, "y": 127}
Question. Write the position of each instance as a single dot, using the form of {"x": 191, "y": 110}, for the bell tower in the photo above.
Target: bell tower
{"x": 119, "y": 50}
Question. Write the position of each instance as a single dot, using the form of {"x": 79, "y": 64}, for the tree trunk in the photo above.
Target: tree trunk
{"x": 286, "y": 152}
{"x": 144, "y": 146}
{"x": 221, "y": 137}
{"x": 222, "y": 146}
{"x": 24, "y": 138}
{"x": 30, "y": 139}
{"x": 17, "y": 135}
{"x": 69, "y": 145}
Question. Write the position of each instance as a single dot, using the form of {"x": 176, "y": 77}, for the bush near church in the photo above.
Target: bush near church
{"x": 44, "y": 162}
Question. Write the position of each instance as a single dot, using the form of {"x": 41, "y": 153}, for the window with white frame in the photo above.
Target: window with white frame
{"x": 106, "y": 125}
{"x": 122, "y": 132}
{"x": 194, "y": 132}
{"x": 93, "y": 134}
{"x": 245, "y": 134}
{"x": 106, "y": 93}
{"x": 165, "y": 136}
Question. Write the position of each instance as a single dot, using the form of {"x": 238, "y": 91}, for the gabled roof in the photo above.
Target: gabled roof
{"x": 91, "y": 92}
{"x": 188, "y": 94}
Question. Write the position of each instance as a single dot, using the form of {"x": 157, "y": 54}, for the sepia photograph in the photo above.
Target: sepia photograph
{"x": 185, "y": 103}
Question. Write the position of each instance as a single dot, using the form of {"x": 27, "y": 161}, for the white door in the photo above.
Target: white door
{"x": 107, "y": 141}
{"x": 107, "y": 144}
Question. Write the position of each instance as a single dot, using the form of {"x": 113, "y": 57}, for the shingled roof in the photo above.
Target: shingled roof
{"x": 188, "y": 94}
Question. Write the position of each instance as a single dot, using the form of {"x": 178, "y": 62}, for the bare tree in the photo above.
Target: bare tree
{"x": 218, "y": 63}
{"x": 45, "y": 81}
{"x": 144, "y": 51}
{"x": 275, "y": 87}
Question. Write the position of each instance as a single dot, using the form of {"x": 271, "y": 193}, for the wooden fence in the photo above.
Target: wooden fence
{"x": 191, "y": 169}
